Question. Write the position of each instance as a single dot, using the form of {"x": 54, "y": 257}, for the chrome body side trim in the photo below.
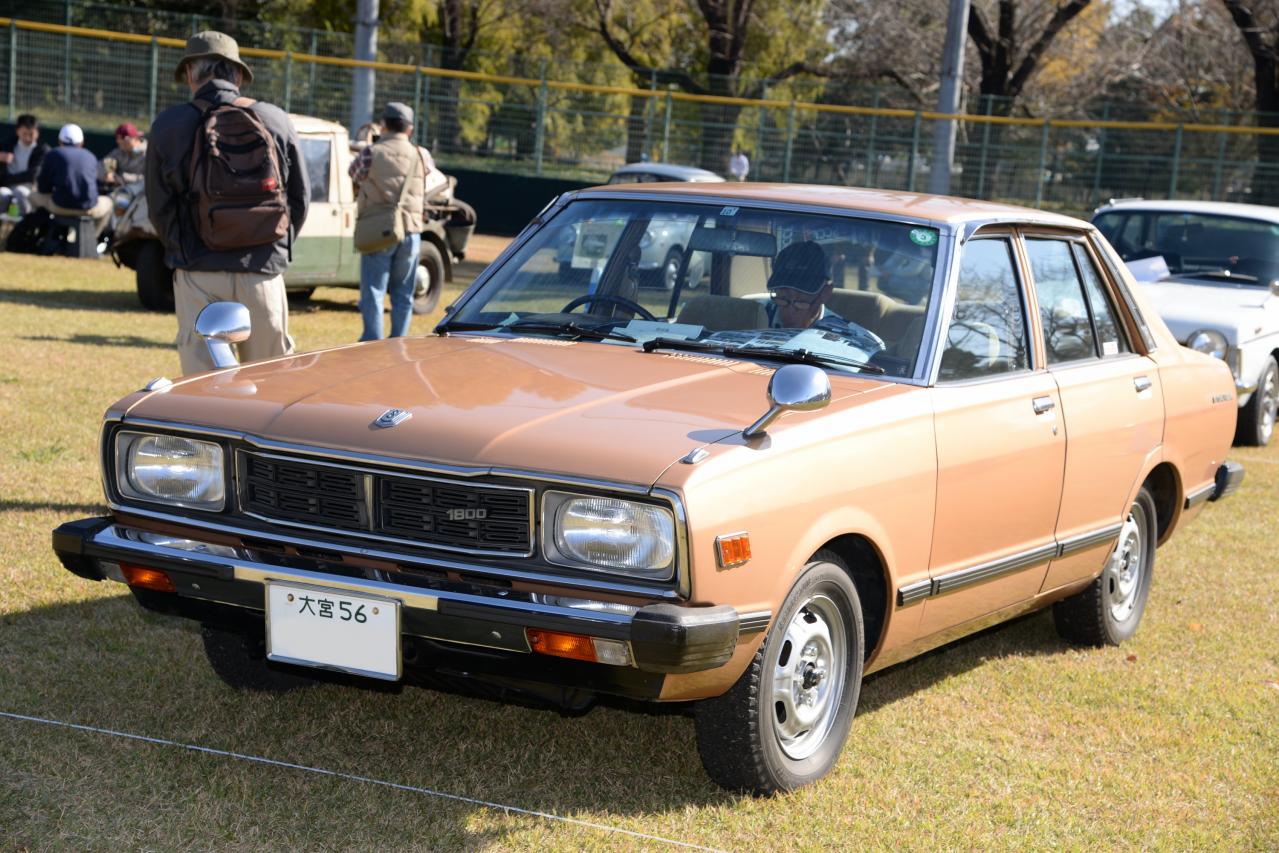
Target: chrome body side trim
{"x": 753, "y": 622}
{"x": 1201, "y": 495}
{"x": 952, "y": 581}
{"x": 914, "y": 592}
{"x": 1084, "y": 541}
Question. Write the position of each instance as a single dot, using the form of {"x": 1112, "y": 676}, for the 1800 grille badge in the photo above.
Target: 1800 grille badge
{"x": 392, "y": 417}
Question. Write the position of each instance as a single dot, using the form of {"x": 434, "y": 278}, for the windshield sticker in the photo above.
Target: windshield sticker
{"x": 923, "y": 236}
{"x": 647, "y": 330}
{"x": 728, "y": 211}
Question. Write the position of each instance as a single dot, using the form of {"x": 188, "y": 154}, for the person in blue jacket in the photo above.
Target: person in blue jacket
{"x": 67, "y": 184}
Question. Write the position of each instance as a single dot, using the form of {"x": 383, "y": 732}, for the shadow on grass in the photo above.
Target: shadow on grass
{"x": 104, "y": 341}
{"x": 44, "y": 506}
{"x": 76, "y": 300}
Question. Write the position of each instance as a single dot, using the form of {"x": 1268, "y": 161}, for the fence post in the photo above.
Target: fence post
{"x": 418, "y": 123}
{"x": 872, "y": 179}
{"x": 758, "y": 154}
{"x": 66, "y": 56}
{"x": 288, "y": 81}
{"x": 539, "y": 143}
{"x": 790, "y": 141}
{"x": 650, "y": 104}
{"x": 1101, "y": 155}
{"x": 914, "y": 151}
{"x": 155, "y": 69}
{"x": 310, "y": 89}
{"x": 985, "y": 147}
{"x": 1221, "y": 162}
{"x": 666, "y": 130}
{"x": 1043, "y": 164}
{"x": 1176, "y": 164}
{"x": 13, "y": 70}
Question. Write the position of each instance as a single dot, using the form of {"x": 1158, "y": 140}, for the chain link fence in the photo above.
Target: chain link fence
{"x": 581, "y": 122}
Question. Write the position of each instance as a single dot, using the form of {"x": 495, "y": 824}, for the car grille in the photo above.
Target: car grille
{"x": 428, "y": 511}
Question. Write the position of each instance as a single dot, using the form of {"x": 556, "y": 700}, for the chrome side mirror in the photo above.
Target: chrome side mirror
{"x": 222, "y": 324}
{"x": 1274, "y": 287}
{"x": 793, "y": 388}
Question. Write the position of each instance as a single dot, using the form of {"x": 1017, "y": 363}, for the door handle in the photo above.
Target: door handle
{"x": 1043, "y": 404}
{"x": 1141, "y": 383}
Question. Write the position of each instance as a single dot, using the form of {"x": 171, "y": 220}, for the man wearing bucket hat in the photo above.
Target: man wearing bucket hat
{"x": 67, "y": 184}
{"x": 226, "y": 213}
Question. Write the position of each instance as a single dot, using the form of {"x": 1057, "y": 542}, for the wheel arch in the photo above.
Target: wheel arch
{"x": 869, "y": 573}
{"x": 1164, "y": 483}
{"x": 438, "y": 242}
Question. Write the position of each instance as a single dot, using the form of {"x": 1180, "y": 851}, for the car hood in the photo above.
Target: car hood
{"x": 574, "y": 408}
{"x": 1188, "y": 307}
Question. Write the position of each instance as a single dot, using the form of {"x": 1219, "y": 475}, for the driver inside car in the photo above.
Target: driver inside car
{"x": 799, "y": 288}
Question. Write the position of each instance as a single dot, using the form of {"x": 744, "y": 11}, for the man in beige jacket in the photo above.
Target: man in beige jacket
{"x": 380, "y": 173}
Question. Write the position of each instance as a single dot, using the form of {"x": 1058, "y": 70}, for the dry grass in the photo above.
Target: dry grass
{"x": 1007, "y": 740}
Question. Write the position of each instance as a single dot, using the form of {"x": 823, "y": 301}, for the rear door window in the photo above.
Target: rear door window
{"x": 1063, "y": 307}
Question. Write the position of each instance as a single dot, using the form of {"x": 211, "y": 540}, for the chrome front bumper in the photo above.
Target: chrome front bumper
{"x": 663, "y": 638}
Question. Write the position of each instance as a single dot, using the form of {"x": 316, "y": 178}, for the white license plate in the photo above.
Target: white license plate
{"x": 315, "y": 626}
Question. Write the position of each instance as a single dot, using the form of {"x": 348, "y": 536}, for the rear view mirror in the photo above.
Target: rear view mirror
{"x": 733, "y": 242}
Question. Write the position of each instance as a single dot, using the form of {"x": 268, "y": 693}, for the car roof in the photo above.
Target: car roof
{"x": 936, "y": 208}
{"x": 311, "y": 124}
{"x": 670, "y": 171}
{"x": 1211, "y": 208}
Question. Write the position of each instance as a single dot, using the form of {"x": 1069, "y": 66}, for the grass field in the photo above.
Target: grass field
{"x": 1007, "y": 740}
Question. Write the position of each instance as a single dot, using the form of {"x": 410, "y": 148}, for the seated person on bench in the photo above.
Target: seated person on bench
{"x": 799, "y": 289}
{"x": 68, "y": 181}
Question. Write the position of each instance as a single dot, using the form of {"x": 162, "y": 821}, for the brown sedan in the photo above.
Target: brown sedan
{"x": 876, "y": 423}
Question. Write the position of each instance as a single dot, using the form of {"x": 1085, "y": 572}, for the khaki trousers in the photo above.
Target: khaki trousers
{"x": 101, "y": 212}
{"x": 262, "y": 294}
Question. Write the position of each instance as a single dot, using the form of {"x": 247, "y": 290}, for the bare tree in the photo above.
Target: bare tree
{"x": 1260, "y": 33}
{"x": 1010, "y": 52}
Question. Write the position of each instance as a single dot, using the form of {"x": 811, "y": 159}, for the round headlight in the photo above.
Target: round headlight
{"x": 635, "y": 538}
{"x": 171, "y": 469}
{"x": 1209, "y": 341}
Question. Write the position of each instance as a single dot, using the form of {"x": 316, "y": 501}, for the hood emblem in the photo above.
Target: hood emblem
{"x": 391, "y": 417}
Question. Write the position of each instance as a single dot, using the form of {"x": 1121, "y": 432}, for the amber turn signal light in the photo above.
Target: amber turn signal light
{"x": 147, "y": 578}
{"x": 733, "y": 550}
{"x": 559, "y": 645}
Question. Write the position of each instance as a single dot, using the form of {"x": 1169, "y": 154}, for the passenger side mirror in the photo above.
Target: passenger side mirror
{"x": 222, "y": 324}
{"x": 793, "y": 388}
{"x": 1274, "y": 287}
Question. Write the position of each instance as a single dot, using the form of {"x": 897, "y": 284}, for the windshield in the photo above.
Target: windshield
{"x": 846, "y": 293}
{"x": 1196, "y": 245}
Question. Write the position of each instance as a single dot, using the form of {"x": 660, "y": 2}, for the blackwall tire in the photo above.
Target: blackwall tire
{"x": 154, "y": 278}
{"x": 431, "y": 264}
{"x": 1257, "y": 419}
{"x": 1108, "y": 610}
{"x": 785, "y": 721}
{"x": 240, "y": 662}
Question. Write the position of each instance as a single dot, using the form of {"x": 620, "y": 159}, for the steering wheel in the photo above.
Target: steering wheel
{"x": 622, "y": 301}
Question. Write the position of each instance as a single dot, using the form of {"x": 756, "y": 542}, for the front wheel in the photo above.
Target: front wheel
{"x": 1108, "y": 611}
{"x": 430, "y": 279}
{"x": 784, "y": 722}
{"x": 1257, "y": 419}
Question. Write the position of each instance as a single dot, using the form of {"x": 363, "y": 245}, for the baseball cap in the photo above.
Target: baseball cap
{"x": 71, "y": 134}
{"x": 129, "y": 130}
{"x": 800, "y": 266}
{"x": 397, "y": 110}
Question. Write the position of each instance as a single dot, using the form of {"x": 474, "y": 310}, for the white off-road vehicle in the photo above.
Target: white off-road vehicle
{"x": 324, "y": 252}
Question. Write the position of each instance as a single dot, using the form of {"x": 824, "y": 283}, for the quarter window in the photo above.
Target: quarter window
{"x": 987, "y": 334}
{"x": 1109, "y": 335}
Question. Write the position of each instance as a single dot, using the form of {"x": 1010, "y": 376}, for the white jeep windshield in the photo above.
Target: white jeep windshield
{"x": 847, "y": 293}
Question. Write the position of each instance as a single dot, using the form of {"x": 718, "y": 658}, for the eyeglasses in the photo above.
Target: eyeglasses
{"x": 797, "y": 304}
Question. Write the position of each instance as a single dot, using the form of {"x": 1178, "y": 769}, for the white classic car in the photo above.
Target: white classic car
{"x": 1212, "y": 271}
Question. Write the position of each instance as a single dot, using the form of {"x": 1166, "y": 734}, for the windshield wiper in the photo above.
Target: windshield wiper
{"x": 804, "y": 356}
{"x": 593, "y": 333}
{"x": 458, "y": 326}
{"x": 1219, "y": 275}
{"x": 801, "y": 356}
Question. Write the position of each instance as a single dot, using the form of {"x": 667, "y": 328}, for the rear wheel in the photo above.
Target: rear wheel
{"x": 241, "y": 662}
{"x": 300, "y": 296}
{"x": 1257, "y": 419}
{"x": 1108, "y": 611}
{"x": 430, "y": 279}
{"x": 154, "y": 278}
{"x": 784, "y": 722}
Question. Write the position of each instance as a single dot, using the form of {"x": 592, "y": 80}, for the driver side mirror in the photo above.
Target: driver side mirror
{"x": 222, "y": 324}
{"x": 793, "y": 388}
{"x": 1274, "y": 287}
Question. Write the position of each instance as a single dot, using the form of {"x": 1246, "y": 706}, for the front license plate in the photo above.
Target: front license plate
{"x": 315, "y": 626}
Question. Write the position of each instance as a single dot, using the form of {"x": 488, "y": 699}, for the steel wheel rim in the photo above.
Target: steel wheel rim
{"x": 1127, "y": 565}
{"x": 670, "y": 272}
{"x": 1269, "y": 392}
{"x": 808, "y": 677}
